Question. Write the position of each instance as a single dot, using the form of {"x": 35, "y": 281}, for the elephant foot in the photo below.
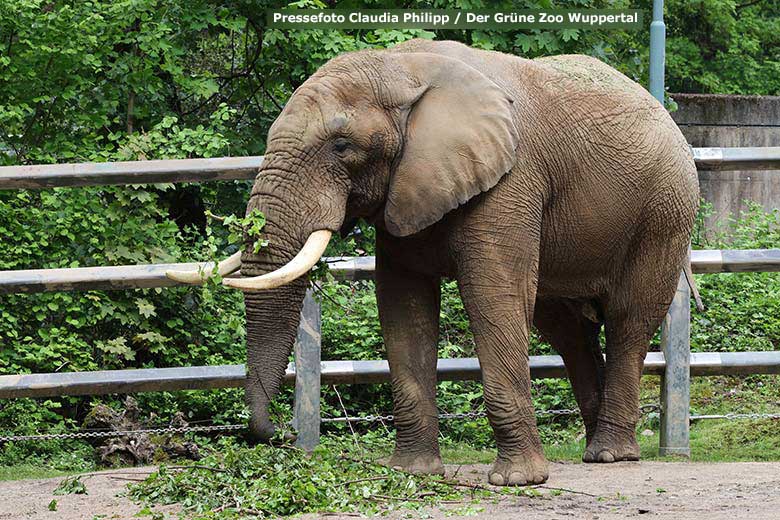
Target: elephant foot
{"x": 522, "y": 471}
{"x": 611, "y": 451}
{"x": 417, "y": 463}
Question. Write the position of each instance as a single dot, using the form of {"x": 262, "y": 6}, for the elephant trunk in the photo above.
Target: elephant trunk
{"x": 272, "y": 318}
{"x": 273, "y": 313}
{"x": 272, "y": 322}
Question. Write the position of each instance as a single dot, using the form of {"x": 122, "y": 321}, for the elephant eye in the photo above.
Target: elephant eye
{"x": 340, "y": 145}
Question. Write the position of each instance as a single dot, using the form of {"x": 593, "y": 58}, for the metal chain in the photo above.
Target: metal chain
{"x": 737, "y": 416}
{"x": 363, "y": 418}
{"x": 235, "y": 427}
{"x": 644, "y": 410}
{"x": 120, "y": 433}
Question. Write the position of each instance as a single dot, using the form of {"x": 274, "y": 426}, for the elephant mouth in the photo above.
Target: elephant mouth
{"x": 307, "y": 257}
{"x": 377, "y": 216}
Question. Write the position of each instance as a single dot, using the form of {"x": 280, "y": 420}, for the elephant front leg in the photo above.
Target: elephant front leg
{"x": 500, "y": 316}
{"x": 409, "y": 313}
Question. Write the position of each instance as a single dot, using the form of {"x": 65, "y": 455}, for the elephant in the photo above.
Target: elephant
{"x": 556, "y": 191}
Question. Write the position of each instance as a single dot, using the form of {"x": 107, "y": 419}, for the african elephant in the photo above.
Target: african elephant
{"x": 556, "y": 191}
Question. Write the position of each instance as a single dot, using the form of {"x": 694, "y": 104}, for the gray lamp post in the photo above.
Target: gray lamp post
{"x": 657, "y": 51}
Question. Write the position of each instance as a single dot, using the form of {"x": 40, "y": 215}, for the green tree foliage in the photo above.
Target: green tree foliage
{"x": 724, "y": 46}
{"x": 80, "y": 78}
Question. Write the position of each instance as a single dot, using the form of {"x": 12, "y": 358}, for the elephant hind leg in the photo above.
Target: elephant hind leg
{"x": 633, "y": 311}
{"x": 575, "y": 337}
{"x": 615, "y": 436}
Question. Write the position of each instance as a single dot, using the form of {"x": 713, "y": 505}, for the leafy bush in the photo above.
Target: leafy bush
{"x": 741, "y": 309}
{"x": 29, "y": 417}
{"x": 723, "y": 46}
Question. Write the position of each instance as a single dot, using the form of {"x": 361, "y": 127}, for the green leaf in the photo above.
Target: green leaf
{"x": 145, "y": 308}
{"x": 70, "y": 486}
{"x": 116, "y": 346}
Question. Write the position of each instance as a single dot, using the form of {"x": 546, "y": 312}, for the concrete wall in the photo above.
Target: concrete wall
{"x": 722, "y": 120}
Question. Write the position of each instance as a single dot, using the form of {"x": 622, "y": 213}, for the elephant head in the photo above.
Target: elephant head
{"x": 394, "y": 137}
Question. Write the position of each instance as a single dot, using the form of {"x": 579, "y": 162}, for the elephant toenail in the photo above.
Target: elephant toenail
{"x": 516, "y": 478}
{"x": 538, "y": 479}
{"x": 587, "y": 457}
{"x": 497, "y": 479}
{"x": 606, "y": 456}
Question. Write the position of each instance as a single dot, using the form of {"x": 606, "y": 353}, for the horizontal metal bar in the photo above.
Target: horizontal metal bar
{"x": 233, "y": 168}
{"x": 735, "y": 363}
{"x": 736, "y": 416}
{"x": 130, "y": 172}
{"x": 121, "y": 381}
{"x": 342, "y": 268}
{"x": 735, "y": 260}
{"x": 337, "y": 372}
{"x": 725, "y": 159}
{"x": 91, "y": 278}
{"x": 352, "y": 268}
{"x": 142, "y": 276}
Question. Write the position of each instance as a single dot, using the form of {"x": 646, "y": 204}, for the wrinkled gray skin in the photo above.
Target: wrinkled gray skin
{"x": 556, "y": 191}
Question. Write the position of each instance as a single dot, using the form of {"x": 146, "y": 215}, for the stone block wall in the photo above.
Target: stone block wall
{"x": 726, "y": 121}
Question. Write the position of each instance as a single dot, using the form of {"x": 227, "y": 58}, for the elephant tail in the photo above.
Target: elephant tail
{"x": 692, "y": 284}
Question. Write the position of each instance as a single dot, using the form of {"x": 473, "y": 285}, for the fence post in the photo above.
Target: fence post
{"x": 675, "y": 383}
{"x": 306, "y": 412}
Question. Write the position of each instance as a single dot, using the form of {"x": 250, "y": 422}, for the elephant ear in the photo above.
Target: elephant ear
{"x": 460, "y": 139}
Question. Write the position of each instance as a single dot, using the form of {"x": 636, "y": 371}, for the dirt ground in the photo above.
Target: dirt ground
{"x": 681, "y": 491}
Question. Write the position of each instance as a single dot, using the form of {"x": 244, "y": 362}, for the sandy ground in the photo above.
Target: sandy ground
{"x": 680, "y": 491}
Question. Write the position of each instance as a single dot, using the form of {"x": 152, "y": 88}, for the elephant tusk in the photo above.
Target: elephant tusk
{"x": 310, "y": 254}
{"x": 197, "y": 277}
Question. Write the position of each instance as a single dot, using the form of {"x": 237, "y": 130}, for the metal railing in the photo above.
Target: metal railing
{"x": 245, "y": 168}
{"x": 308, "y": 373}
{"x": 338, "y": 373}
{"x": 343, "y": 268}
